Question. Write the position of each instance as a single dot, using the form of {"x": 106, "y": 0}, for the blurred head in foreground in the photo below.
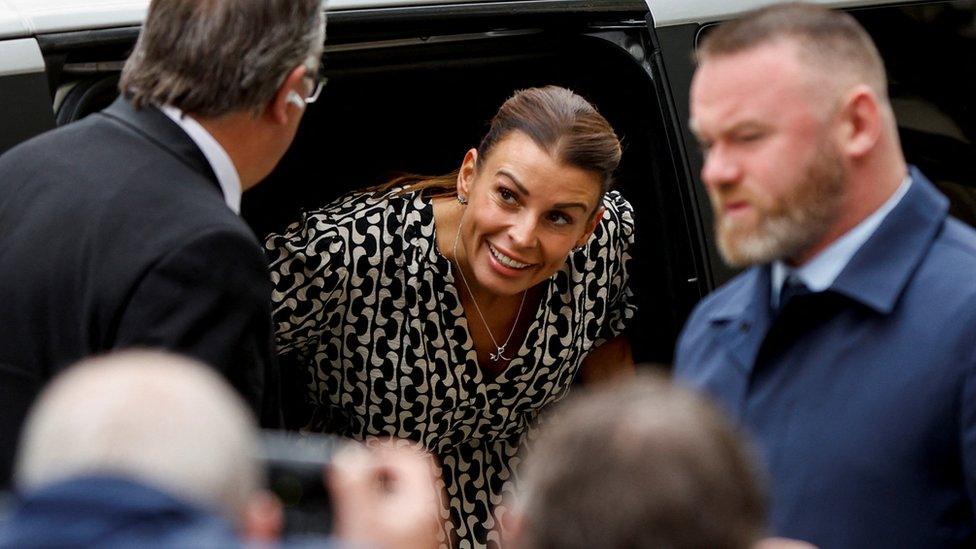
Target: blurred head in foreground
{"x": 148, "y": 448}
{"x": 644, "y": 464}
{"x": 158, "y": 419}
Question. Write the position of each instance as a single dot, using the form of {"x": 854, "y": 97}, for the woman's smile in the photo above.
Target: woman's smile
{"x": 507, "y": 260}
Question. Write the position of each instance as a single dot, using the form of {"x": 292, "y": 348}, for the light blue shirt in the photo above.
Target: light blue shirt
{"x": 220, "y": 162}
{"x": 821, "y": 271}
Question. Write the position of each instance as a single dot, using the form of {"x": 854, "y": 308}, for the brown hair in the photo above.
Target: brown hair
{"x": 214, "y": 57}
{"x": 559, "y": 121}
{"x": 825, "y": 38}
{"x": 641, "y": 464}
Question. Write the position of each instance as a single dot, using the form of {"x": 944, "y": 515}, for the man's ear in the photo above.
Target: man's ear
{"x": 861, "y": 121}
{"x": 283, "y": 106}
{"x": 469, "y": 168}
{"x": 591, "y": 226}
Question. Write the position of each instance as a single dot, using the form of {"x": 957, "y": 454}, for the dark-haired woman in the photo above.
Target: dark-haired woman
{"x": 452, "y": 311}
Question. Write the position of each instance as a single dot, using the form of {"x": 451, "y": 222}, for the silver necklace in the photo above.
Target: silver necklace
{"x": 498, "y": 355}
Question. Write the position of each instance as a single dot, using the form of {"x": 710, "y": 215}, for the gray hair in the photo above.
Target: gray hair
{"x": 214, "y": 57}
{"x": 158, "y": 418}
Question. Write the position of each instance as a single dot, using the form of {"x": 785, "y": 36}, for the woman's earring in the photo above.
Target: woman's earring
{"x": 462, "y": 200}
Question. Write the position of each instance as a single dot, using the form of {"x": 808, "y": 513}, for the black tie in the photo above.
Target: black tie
{"x": 792, "y": 287}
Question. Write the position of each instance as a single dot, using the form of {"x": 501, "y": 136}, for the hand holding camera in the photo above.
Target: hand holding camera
{"x": 385, "y": 495}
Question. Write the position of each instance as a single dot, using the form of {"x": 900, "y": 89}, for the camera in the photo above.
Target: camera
{"x": 295, "y": 465}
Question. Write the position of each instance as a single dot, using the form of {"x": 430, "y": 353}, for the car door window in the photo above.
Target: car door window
{"x": 928, "y": 51}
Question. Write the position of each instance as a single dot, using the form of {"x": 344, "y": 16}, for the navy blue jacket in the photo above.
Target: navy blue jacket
{"x": 103, "y": 511}
{"x": 862, "y": 398}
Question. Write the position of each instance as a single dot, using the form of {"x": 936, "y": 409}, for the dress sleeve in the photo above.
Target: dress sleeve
{"x": 308, "y": 271}
{"x": 614, "y": 237}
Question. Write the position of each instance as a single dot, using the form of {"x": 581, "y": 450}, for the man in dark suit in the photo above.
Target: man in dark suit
{"x": 122, "y": 230}
{"x": 848, "y": 349}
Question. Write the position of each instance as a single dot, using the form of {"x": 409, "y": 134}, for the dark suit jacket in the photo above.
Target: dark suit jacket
{"x": 862, "y": 398}
{"x": 114, "y": 233}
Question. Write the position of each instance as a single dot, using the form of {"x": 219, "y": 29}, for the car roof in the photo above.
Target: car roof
{"x": 21, "y": 18}
{"x": 676, "y": 12}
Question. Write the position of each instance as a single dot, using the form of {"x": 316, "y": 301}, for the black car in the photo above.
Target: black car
{"x": 413, "y": 83}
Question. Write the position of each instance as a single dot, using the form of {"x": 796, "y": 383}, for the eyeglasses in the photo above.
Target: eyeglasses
{"x": 318, "y": 81}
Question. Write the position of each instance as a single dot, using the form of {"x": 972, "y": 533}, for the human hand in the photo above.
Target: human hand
{"x": 385, "y": 496}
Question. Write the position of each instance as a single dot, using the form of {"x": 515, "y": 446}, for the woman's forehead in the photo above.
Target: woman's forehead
{"x": 519, "y": 157}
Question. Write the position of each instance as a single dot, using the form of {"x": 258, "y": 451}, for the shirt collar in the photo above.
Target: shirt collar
{"x": 220, "y": 162}
{"x": 820, "y": 272}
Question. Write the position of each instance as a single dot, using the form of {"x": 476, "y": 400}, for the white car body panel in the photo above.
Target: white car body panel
{"x": 20, "y": 56}
{"x": 28, "y": 17}
{"x": 11, "y": 23}
{"x": 676, "y": 12}
{"x": 43, "y": 16}
{"x": 23, "y": 18}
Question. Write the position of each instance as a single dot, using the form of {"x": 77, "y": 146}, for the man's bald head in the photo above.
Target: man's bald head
{"x": 159, "y": 418}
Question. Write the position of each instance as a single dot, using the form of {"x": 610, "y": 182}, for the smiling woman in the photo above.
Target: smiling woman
{"x": 452, "y": 310}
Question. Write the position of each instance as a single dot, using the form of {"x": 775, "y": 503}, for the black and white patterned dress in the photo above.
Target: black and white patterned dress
{"x": 367, "y": 303}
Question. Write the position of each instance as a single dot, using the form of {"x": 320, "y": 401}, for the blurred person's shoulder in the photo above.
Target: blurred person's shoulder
{"x": 110, "y": 511}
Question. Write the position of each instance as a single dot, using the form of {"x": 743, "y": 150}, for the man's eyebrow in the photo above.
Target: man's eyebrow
{"x": 745, "y": 125}
{"x": 727, "y": 129}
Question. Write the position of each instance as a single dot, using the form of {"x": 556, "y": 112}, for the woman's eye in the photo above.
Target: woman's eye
{"x": 506, "y": 195}
{"x": 559, "y": 218}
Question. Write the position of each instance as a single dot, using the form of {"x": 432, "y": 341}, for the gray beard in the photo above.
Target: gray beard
{"x": 778, "y": 237}
{"x": 802, "y": 221}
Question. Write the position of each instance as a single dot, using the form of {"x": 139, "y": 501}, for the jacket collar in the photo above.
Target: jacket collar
{"x": 750, "y": 294}
{"x": 151, "y": 123}
{"x": 881, "y": 269}
{"x": 876, "y": 275}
